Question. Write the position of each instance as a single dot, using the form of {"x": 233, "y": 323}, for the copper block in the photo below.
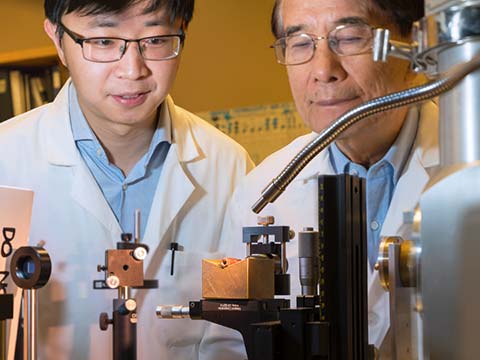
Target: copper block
{"x": 251, "y": 278}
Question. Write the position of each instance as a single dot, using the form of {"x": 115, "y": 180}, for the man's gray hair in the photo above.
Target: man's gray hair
{"x": 402, "y": 13}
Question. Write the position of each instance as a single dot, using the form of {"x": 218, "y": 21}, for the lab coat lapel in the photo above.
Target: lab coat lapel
{"x": 423, "y": 162}
{"x": 405, "y": 198}
{"x": 173, "y": 190}
{"x": 86, "y": 192}
{"x": 56, "y": 134}
{"x": 174, "y": 186}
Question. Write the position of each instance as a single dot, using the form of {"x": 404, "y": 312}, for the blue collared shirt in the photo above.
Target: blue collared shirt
{"x": 123, "y": 194}
{"x": 381, "y": 178}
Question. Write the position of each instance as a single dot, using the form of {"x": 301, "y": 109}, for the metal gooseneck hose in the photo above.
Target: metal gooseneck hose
{"x": 374, "y": 106}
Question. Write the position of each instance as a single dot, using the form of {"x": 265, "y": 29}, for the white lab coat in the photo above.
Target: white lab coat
{"x": 297, "y": 206}
{"x": 72, "y": 216}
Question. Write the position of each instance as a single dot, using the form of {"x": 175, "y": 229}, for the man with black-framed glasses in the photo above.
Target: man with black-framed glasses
{"x": 326, "y": 48}
{"x": 112, "y": 142}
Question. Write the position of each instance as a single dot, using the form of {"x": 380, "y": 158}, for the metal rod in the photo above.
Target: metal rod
{"x": 124, "y": 292}
{"x": 25, "y": 323}
{"x": 137, "y": 226}
{"x": 3, "y": 339}
{"x": 374, "y": 106}
{"x": 33, "y": 324}
{"x": 29, "y": 324}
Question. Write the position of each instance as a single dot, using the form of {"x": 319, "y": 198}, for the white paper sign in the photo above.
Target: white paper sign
{"x": 15, "y": 213}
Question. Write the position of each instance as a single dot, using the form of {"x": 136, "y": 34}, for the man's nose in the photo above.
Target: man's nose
{"x": 326, "y": 65}
{"x": 132, "y": 64}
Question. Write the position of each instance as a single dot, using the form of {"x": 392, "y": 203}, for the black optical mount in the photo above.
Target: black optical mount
{"x": 124, "y": 271}
{"x": 30, "y": 268}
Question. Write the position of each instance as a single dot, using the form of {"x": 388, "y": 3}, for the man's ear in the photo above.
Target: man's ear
{"x": 51, "y": 30}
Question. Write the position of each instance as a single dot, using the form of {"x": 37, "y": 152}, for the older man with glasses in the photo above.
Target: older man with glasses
{"x": 326, "y": 46}
{"x": 112, "y": 142}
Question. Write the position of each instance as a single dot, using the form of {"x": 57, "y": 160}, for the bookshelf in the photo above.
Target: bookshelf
{"x": 29, "y": 78}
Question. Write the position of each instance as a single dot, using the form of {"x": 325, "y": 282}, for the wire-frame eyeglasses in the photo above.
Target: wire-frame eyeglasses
{"x": 344, "y": 40}
{"x": 110, "y": 49}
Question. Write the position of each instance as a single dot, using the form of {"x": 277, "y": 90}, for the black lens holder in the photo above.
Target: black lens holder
{"x": 30, "y": 267}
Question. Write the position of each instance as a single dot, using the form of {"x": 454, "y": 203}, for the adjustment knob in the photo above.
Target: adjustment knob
{"x": 113, "y": 282}
{"x": 104, "y": 321}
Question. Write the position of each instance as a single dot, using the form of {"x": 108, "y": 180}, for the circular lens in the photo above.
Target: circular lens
{"x": 25, "y": 268}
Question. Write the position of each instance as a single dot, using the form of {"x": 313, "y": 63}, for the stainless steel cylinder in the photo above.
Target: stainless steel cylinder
{"x": 451, "y": 207}
{"x": 172, "y": 312}
{"x": 30, "y": 324}
{"x": 450, "y": 35}
{"x": 460, "y": 109}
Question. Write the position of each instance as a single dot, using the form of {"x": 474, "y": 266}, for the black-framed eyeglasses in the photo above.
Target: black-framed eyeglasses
{"x": 110, "y": 49}
{"x": 344, "y": 40}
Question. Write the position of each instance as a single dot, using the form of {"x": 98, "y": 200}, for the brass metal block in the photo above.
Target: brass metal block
{"x": 123, "y": 265}
{"x": 251, "y": 278}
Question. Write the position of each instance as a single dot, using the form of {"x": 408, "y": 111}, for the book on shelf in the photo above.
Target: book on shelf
{"x": 17, "y": 88}
{"x": 6, "y": 105}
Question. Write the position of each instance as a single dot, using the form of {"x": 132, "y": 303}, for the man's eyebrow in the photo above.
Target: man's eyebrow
{"x": 157, "y": 22}
{"x": 342, "y": 21}
{"x": 108, "y": 22}
{"x": 293, "y": 29}
{"x": 100, "y": 21}
{"x": 351, "y": 20}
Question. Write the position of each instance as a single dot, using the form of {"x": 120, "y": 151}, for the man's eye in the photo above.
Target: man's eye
{"x": 155, "y": 41}
{"x": 350, "y": 39}
{"x": 300, "y": 44}
{"x": 102, "y": 42}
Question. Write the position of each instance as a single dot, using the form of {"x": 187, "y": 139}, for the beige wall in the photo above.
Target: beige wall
{"x": 227, "y": 61}
{"x": 21, "y": 22}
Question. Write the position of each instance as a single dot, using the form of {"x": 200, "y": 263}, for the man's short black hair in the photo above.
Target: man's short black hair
{"x": 402, "y": 12}
{"x": 176, "y": 9}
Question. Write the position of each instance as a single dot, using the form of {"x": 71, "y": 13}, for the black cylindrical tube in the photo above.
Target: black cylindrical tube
{"x": 124, "y": 332}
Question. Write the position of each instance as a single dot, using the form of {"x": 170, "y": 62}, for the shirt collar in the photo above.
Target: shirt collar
{"x": 82, "y": 131}
{"x": 396, "y": 156}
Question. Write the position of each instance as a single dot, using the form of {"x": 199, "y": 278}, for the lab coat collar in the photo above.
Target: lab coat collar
{"x": 56, "y": 132}
{"x": 182, "y": 135}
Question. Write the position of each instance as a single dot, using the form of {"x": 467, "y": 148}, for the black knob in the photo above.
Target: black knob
{"x": 126, "y": 237}
{"x": 104, "y": 321}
